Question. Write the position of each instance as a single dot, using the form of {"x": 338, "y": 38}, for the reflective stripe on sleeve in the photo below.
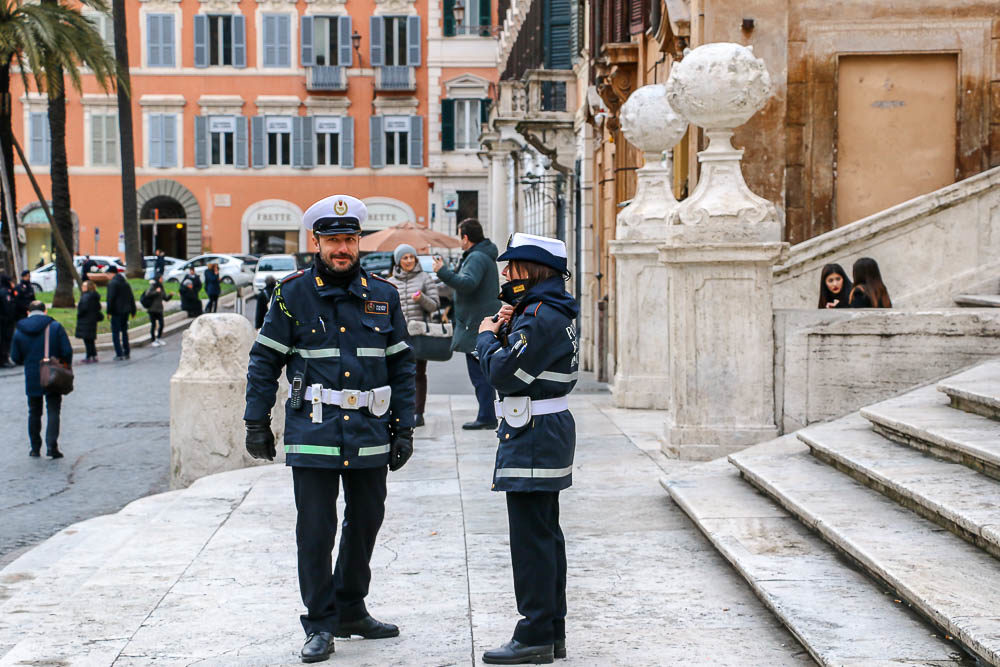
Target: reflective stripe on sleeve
{"x": 398, "y": 347}
{"x": 371, "y": 352}
{"x": 324, "y": 450}
{"x": 552, "y": 376}
{"x": 524, "y": 377}
{"x": 273, "y": 344}
{"x": 318, "y": 353}
{"x": 547, "y": 473}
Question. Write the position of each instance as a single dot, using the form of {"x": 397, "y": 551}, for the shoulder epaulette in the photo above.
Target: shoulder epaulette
{"x": 382, "y": 279}
{"x": 293, "y": 276}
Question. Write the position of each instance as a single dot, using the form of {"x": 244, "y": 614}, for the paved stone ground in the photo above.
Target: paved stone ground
{"x": 207, "y": 575}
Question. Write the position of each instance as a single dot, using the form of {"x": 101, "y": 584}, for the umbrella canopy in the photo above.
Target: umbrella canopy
{"x": 421, "y": 239}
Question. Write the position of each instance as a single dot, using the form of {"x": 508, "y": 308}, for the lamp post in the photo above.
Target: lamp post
{"x": 458, "y": 11}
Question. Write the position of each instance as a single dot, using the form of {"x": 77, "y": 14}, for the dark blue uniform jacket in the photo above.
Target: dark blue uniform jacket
{"x": 353, "y": 338}
{"x": 539, "y": 361}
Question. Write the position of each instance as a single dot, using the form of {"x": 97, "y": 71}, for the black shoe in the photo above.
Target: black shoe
{"x": 368, "y": 628}
{"x": 119, "y": 358}
{"x": 516, "y": 653}
{"x": 7, "y": 364}
{"x": 127, "y": 357}
{"x": 318, "y": 647}
{"x": 479, "y": 426}
{"x": 34, "y": 453}
{"x": 559, "y": 649}
{"x": 419, "y": 421}
{"x": 54, "y": 454}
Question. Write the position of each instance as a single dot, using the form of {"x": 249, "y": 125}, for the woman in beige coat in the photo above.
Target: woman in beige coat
{"x": 418, "y": 296}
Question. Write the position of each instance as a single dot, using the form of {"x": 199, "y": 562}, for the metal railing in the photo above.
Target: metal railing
{"x": 326, "y": 77}
{"x": 395, "y": 77}
{"x": 473, "y": 30}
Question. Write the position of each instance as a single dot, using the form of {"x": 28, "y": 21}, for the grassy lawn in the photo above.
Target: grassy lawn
{"x": 67, "y": 316}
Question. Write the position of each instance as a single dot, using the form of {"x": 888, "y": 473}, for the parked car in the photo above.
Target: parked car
{"x": 233, "y": 269}
{"x": 149, "y": 263}
{"x": 278, "y": 266}
{"x": 44, "y": 278}
{"x": 377, "y": 262}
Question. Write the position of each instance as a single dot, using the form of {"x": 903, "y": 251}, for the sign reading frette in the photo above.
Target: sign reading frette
{"x": 382, "y": 215}
{"x": 274, "y": 216}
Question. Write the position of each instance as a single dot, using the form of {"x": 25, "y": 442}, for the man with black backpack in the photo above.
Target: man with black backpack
{"x": 152, "y": 300}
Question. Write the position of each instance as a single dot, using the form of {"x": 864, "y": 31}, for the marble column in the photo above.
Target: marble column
{"x": 722, "y": 242}
{"x": 642, "y": 373}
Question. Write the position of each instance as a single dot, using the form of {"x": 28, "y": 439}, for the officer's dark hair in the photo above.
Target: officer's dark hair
{"x": 532, "y": 272}
{"x": 470, "y": 227}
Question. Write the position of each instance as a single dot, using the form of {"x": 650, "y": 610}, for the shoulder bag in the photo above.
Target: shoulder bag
{"x": 55, "y": 376}
{"x": 431, "y": 340}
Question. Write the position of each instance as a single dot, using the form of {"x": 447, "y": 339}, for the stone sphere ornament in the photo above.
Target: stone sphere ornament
{"x": 718, "y": 85}
{"x": 649, "y": 122}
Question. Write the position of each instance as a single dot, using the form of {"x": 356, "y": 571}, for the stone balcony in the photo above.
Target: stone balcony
{"x": 326, "y": 78}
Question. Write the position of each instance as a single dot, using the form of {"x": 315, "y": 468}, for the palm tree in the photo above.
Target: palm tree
{"x": 130, "y": 219}
{"x": 85, "y": 47}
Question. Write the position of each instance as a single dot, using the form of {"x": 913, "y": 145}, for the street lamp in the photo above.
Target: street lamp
{"x": 356, "y": 43}
{"x": 459, "y": 13}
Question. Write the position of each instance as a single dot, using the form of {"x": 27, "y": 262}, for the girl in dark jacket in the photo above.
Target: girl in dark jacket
{"x": 190, "y": 292}
{"x": 212, "y": 288}
{"x": 88, "y": 314}
{"x": 834, "y": 287}
{"x": 869, "y": 291}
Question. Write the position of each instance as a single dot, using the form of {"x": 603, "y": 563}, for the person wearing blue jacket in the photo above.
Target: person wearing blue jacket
{"x": 28, "y": 348}
{"x": 529, "y": 354}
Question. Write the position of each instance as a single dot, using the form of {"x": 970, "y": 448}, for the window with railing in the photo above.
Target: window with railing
{"x": 395, "y": 51}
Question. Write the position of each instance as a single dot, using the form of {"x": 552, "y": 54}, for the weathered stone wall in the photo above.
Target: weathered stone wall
{"x": 928, "y": 249}
{"x": 830, "y": 363}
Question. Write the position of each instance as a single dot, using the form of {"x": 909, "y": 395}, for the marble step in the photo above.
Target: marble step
{"x": 947, "y": 580}
{"x": 978, "y": 300}
{"x": 819, "y": 597}
{"x": 923, "y": 419}
{"x": 977, "y": 390}
{"x": 949, "y": 494}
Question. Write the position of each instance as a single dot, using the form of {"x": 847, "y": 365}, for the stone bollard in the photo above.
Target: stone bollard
{"x": 207, "y": 399}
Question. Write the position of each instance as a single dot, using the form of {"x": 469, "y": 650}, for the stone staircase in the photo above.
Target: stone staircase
{"x": 874, "y": 538}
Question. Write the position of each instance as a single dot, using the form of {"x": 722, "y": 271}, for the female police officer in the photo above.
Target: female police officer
{"x": 529, "y": 355}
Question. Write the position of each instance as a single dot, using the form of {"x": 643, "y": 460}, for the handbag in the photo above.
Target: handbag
{"x": 55, "y": 376}
{"x": 431, "y": 340}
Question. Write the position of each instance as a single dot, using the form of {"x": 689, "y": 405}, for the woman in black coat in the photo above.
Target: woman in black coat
{"x": 212, "y": 288}
{"x": 191, "y": 294}
{"x": 88, "y": 314}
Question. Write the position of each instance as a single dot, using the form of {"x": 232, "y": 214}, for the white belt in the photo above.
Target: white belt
{"x": 546, "y": 406}
{"x": 376, "y": 400}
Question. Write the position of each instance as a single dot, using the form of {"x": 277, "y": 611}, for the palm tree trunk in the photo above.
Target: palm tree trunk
{"x": 59, "y": 172}
{"x": 7, "y": 146}
{"x": 130, "y": 221}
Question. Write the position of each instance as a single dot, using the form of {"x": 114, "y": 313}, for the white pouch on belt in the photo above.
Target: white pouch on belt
{"x": 516, "y": 411}
{"x": 378, "y": 402}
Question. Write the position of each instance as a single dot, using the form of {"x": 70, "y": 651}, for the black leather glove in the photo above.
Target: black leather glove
{"x": 260, "y": 439}
{"x": 400, "y": 447}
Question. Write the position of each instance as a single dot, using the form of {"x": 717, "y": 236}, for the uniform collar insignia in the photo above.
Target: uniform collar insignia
{"x": 319, "y": 281}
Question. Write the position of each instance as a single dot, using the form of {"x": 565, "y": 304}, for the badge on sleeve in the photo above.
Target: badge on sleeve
{"x": 520, "y": 346}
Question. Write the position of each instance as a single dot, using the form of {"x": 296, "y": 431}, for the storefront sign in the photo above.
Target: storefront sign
{"x": 279, "y": 124}
{"x": 327, "y": 125}
{"x": 451, "y": 201}
{"x": 382, "y": 215}
{"x": 273, "y": 216}
{"x": 221, "y": 124}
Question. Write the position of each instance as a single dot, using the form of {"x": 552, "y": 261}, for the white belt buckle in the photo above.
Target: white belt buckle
{"x": 350, "y": 399}
{"x": 317, "y": 404}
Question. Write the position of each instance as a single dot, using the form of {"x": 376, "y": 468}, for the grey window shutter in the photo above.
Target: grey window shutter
{"x": 241, "y": 143}
{"x": 297, "y": 141}
{"x": 259, "y": 148}
{"x": 39, "y": 125}
{"x": 200, "y": 40}
{"x": 167, "y": 40}
{"x": 346, "y": 58}
{"x": 307, "y": 41}
{"x": 270, "y": 40}
{"x": 447, "y": 125}
{"x": 416, "y": 141}
{"x": 153, "y": 51}
{"x": 375, "y": 52}
{"x": 413, "y": 41}
{"x": 308, "y": 143}
{"x": 239, "y": 41}
{"x": 347, "y": 142}
{"x": 156, "y": 140}
{"x": 169, "y": 140}
{"x": 46, "y": 139}
{"x": 284, "y": 54}
{"x": 376, "y": 139}
{"x": 201, "y": 142}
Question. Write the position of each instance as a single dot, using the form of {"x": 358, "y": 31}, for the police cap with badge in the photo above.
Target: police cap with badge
{"x": 337, "y": 214}
{"x": 539, "y": 249}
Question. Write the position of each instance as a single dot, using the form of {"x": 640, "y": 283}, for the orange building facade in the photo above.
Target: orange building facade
{"x": 244, "y": 113}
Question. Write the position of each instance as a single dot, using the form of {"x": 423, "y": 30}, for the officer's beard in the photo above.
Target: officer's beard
{"x": 341, "y": 278}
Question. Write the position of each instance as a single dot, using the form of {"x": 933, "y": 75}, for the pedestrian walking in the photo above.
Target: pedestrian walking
{"x": 212, "y": 288}
{"x": 834, "y": 287}
{"x": 418, "y": 297}
{"x": 8, "y": 318}
{"x": 24, "y": 294}
{"x": 869, "y": 291}
{"x": 264, "y": 301}
{"x": 476, "y": 283}
{"x": 87, "y": 266}
{"x": 121, "y": 306}
{"x": 152, "y": 300}
{"x": 190, "y": 292}
{"x": 88, "y": 314}
{"x": 159, "y": 264}
{"x": 341, "y": 333}
{"x": 29, "y": 348}
{"x": 530, "y": 356}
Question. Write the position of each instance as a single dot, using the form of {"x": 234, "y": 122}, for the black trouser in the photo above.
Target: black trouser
{"x": 155, "y": 320}
{"x": 421, "y": 386}
{"x": 119, "y": 334}
{"x": 90, "y": 345}
{"x": 339, "y": 595}
{"x": 53, "y": 403}
{"x": 6, "y": 336}
{"x": 484, "y": 391}
{"x": 213, "y": 304}
{"x": 538, "y": 554}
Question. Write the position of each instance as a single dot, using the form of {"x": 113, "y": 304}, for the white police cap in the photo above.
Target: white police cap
{"x": 337, "y": 214}
{"x": 540, "y": 249}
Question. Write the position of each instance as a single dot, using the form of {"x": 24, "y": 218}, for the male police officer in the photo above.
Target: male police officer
{"x": 341, "y": 333}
